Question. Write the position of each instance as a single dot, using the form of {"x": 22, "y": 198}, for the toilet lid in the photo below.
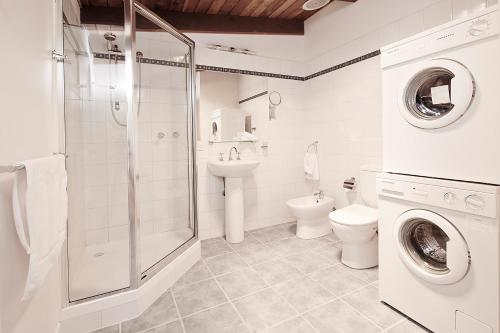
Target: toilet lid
{"x": 355, "y": 215}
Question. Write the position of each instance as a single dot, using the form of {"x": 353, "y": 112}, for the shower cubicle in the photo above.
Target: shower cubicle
{"x": 129, "y": 119}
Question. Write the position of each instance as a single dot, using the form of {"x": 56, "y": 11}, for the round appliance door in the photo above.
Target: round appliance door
{"x": 431, "y": 247}
{"x": 438, "y": 93}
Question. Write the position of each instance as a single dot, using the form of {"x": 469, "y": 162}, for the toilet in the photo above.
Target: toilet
{"x": 312, "y": 215}
{"x": 356, "y": 225}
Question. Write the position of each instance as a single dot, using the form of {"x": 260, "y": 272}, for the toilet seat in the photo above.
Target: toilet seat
{"x": 355, "y": 215}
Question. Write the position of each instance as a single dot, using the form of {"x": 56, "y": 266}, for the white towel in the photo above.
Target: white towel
{"x": 40, "y": 213}
{"x": 311, "y": 166}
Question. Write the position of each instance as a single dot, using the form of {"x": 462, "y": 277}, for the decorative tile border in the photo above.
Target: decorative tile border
{"x": 245, "y": 72}
{"x": 253, "y": 97}
{"x": 344, "y": 64}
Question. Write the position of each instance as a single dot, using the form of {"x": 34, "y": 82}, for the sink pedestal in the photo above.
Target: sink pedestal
{"x": 233, "y": 173}
{"x": 234, "y": 210}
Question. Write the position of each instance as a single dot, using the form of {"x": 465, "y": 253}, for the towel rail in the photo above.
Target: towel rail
{"x": 18, "y": 166}
{"x": 314, "y": 146}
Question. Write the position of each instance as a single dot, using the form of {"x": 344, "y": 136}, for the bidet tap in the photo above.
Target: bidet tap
{"x": 320, "y": 195}
{"x": 231, "y": 152}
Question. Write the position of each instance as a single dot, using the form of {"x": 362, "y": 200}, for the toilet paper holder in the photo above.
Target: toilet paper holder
{"x": 349, "y": 183}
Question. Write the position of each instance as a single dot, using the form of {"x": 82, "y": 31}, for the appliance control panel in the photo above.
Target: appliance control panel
{"x": 435, "y": 40}
{"x": 458, "y": 199}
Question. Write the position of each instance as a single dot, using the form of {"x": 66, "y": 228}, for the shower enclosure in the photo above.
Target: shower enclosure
{"x": 129, "y": 119}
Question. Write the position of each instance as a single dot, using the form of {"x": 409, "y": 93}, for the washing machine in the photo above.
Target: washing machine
{"x": 441, "y": 101}
{"x": 439, "y": 252}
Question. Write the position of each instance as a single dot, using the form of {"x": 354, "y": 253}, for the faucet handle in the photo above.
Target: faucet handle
{"x": 238, "y": 155}
{"x": 221, "y": 157}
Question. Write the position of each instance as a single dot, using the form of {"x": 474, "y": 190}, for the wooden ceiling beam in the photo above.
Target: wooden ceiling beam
{"x": 195, "y": 22}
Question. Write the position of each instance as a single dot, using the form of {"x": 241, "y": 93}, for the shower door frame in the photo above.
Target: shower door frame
{"x": 137, "y": 276}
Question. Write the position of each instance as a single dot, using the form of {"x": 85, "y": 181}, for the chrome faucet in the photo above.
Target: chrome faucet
{"x": 320, "y": 195}
{"x": 231, "y": 153}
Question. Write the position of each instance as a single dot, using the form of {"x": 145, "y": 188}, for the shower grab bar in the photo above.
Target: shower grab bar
{"x": 313, "y": 145}
{"x": 18, "y": 166}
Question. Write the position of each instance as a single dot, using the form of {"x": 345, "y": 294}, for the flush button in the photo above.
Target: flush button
{"x": 474, "y": 202}
{"x": 449, "y": 198}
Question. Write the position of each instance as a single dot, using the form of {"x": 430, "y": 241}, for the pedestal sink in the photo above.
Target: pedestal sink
{"x": 233, "y": 173}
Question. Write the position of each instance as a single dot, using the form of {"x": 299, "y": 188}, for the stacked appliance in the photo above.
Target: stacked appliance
{"x": 439, "y": 194}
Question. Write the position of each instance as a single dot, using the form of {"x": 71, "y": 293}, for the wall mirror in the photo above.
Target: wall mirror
{"x": 232, "y": 107}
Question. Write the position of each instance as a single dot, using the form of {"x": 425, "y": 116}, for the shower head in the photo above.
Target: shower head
{"x": 110, "y": 37}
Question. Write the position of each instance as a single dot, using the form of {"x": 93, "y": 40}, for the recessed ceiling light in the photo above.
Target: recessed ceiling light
{"x": 314, "y": 4}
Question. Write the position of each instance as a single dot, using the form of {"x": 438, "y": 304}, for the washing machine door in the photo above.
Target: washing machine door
{"x": 436, "y": 93}
{"x": 431, "y": 247}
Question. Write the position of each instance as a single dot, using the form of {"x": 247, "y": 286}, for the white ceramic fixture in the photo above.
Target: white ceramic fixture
{"x": 440, "y": 245}
{"x": 233, "y": 173}
{"x": 356, "y": 225}
{"x": 440, "y": 101}
{"x": 312, "y": 215}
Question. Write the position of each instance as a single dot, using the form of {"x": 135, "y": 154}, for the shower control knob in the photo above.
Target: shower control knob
{"x": 449, "y": 198}
{"x": 474, "y": 202}
{"x": 160, "y": 135}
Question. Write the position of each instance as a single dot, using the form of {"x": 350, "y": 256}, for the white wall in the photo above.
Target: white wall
{"x": 279, "y": 176}
{"x": 344, "y": 106}
{"x": 28, "y": 129}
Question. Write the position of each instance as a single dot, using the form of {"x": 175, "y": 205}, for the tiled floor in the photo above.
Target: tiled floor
{"x": 272, "y": 282}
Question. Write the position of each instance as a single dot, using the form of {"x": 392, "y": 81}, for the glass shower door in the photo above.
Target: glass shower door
{"x": 96, "y": 146}
{"x": 163, "y": 94}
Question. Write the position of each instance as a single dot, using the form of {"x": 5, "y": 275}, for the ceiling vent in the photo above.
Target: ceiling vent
{"x": 314, "y": 4}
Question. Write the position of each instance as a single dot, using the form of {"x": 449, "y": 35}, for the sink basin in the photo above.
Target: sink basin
{"x": 232, "y": 169}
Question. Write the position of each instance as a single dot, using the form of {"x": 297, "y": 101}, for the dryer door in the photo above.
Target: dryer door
{"x": 431, "y": 247}
{"x": 436, "y": 94}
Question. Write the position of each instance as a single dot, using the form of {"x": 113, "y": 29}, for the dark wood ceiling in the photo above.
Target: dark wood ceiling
{"x": 238, "y": 16}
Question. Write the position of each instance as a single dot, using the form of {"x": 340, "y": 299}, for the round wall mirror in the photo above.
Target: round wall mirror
{"x": 274, "y": 98}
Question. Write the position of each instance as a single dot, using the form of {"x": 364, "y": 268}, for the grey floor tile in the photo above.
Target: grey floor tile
{"x": 198, "y": 272}
{"x": 287, "y": 229}
{"x": 109, "y": 329}
{"x": 367, "y": 274}
{"x": 331, "y": 251}
{"x": 162, "y": 311}
{"x": 225, "y": 263}
{"x": 408, "y": 326}
{"x": 268, "y": 234}
{"x": 249, "y": 241}
{"x": 213, "y": 247}
{"x": 263, "y": 309}
{"x": 257, "y": 254}
{"x": 288, "y": 246}
{"x": 276, "y": 271}
{"x": 294, "y": 325}
{"x": 303, "y": 293}
{"x": 333, "y": 237}
{"x": 339, "y": 317}
{"x": 198, "y": 296}
{"x": 337, "y": 279}
{"x": 307, "y": 262}
{"x": 174, "y": 327}
{"x": 220, "y": 319}
{"x": 367, "y": 302}
{"x": 241, "y": 283}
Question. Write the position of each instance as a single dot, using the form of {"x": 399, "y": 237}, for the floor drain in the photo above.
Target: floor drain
{"x": 98, "y": 254}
